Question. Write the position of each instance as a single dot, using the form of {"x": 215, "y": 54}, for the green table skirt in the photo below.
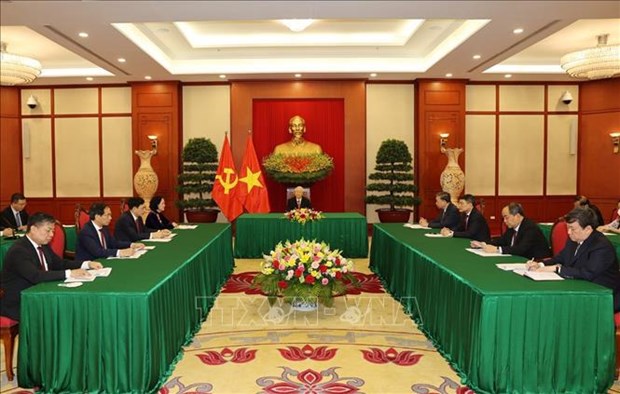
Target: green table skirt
{"x": 501, "y": 332}
{"x": 123, "y": 333}
{"x": 258, "y": 234}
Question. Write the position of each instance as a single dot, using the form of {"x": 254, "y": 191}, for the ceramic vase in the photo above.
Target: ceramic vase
{"x": 452, "y": 178}
{"x": 145, "y": 181}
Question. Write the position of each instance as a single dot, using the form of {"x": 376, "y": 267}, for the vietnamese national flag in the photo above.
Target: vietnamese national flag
{"x": 225, "y": 187}
{"x": 252, "y": 190}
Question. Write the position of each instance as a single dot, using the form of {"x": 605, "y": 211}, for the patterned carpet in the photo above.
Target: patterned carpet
{"x": 364, "y": 344}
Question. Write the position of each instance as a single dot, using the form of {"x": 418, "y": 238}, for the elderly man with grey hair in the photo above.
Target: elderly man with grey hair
{"x": 298, "y": 201}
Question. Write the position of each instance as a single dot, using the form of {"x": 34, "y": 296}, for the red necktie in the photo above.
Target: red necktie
{"x": 514, "y": 236}
{"x": 102, "y": 238}
{"x": 41, "y": 259}
{"x": 138, "y": 225}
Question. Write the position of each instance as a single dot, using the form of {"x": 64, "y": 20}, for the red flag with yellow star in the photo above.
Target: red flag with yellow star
{"x": 226, "y": 185}
{"x": 252, "y": 187}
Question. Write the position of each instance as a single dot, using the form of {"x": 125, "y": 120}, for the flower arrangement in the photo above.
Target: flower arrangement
{"x": 306, "y": 270}
{"x": 303, "y": 215}
{"x": 298, "y": 169}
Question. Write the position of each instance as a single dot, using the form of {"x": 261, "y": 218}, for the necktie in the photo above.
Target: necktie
{"x": 514, "y": 236}
{"x": 443, "y": 214}
{"x": 18, "y": 219}
{"x": 102, "y": 239}
{"x": 577, "y": 249}
{"x": 138, "y": 225}
{"x": 41, "y": 259}
{"x": 298, "y": 203}
{"x": 466, "y": 221}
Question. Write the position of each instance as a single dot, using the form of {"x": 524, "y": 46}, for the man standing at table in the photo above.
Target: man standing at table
{"x": 473, "y": 225}
{"x": 94, "y": 240}
{"x": 298, "y": 200}
{"x": 130, "y": 226}
{"x": 30, "y": 261}
{"x": 449, "y": 216}
{"x": 15, "y": 216}
{"x": 523, "y": 237}
{"x": 588, "y": 254}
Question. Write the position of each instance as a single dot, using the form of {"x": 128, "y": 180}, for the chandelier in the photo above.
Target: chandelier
{"x": 602, "y": 61}
{"x": 16, "y": 69}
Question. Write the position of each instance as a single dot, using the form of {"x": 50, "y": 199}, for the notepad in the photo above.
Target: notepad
{"x": 415, "y": 226}
{"x": 103, "y": 272}
{"x": 434, "y": 235}
{"x": 512, "y": 266}
{"x": 538, "y": 275}
{"x": 186, "y": 226}
{"x": 89, "y": 278}
{"x": 482, "y": 253}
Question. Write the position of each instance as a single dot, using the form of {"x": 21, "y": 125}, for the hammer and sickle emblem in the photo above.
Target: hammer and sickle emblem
{"x": 227, "y": 184}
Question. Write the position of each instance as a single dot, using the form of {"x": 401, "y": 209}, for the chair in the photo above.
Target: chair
{"x": 9, "y": 329}
{"x": 59, "y": 240}
{"x": 559, "y": 236}
{"x": 124, "y": 206}
{"x": 81, "y": 217}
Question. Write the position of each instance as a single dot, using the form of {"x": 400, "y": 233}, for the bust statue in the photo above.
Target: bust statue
{"x": 297, "y": 145}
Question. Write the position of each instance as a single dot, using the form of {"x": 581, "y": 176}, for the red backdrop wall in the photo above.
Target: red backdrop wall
{"x": 324, "y": 126}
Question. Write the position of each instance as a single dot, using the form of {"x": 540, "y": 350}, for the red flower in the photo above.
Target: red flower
{"x": 322, "y": 268}
{"x": 282, "y": 284}
{"x": 310, "y": 279}
{"x": 337, "y": 262}
{"x": 338, "y": 274}
{"x": 299, "y": 273}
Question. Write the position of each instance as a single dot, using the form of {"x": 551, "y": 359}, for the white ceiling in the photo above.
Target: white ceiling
{"x": 399, "y": 40}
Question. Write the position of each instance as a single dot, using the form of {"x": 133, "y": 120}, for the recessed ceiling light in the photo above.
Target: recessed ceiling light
{"x": 373, "y": 75}
{"x": 83, "y": 34}
{"x": 518, "y": 30}
{"x": 297, "y": 75}
{"x": 223, "y": 76}
{"x": 147, "y": 77}
{"x": 449, "y": 75}
{"x": 508, "y": 76}
{"x": 297, "y": 25}
{"x": 121, "y": 60}
{"x": 477, "y": 57}
{"x": 89, "y": 78}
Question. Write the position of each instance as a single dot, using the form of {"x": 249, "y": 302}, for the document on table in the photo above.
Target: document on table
{"x": 135, "y": 255}
{"x": 434, "y": 235}
{"x": 610, "y": 234}
{"x": 150, "y": 247}
{"x": 186, "y": 226}
{"x": 482, "y": 253}
{"x": 101, "y": 272}
{"x": 416, "y": 226}
{"x": 158, "y": 239}
{"x": 537, "y": 275}
{"x": 88, "y": 278}
{"x": 511, "y": 266}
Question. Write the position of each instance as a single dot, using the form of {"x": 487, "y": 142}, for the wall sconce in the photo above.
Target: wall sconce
{"x": 615, "y": 140}
{"x": 443, "y": 140}
{"x": 153, "y": 139}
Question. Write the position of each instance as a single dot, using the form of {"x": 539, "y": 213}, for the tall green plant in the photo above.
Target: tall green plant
{"x": 200, "y": 164}
{"x": 394, "y": 177}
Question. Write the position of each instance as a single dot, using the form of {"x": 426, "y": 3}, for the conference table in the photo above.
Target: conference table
{"x": 123, "y": 333}
{"x": 500, "y": 331}
{"x": 613, "y": 238}
{"x": 258, "y": 234}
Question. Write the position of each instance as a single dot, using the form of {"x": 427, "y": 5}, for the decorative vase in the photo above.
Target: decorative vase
{"x": 305, "y": 304}
{"x": 452, "y": 178}
{"x": 145, "y": 181}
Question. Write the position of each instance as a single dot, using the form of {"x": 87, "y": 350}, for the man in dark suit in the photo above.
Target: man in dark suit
{"x": 473, "y": 225}
{"x": 523, "y": 237}
{"x": 94, "y": 239}
{"x": 15, "y": 216}
{"x": 130, "y": 226}
{"x": 449, "y": 216}
{"x": 588, "y": 254}
{"x": 298, "y": 201}
{"x": 30, "y": 261}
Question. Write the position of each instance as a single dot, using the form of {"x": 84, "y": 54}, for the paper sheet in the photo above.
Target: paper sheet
{"x": 415, "y": 226}
{"x": 186, "y": 226}
{"x": 482, "y": 253}
{"x": 434, "y": 235}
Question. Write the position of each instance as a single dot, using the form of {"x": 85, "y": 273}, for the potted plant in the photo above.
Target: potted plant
{"x": 305, "y": 274}
{"x": 196, "y": 182}
{"x": 393, "y": 182}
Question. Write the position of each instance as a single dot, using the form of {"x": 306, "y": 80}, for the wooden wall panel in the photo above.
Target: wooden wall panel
{"x": 10, "y": 144}
{"x": 440, "y": 108}
{"x": 156, "y": 111}
{"x": 354, "y": 95}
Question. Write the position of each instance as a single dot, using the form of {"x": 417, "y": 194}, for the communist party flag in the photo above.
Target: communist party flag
{"x": 252, "y": 191}
{"x": 225, "y": 187}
